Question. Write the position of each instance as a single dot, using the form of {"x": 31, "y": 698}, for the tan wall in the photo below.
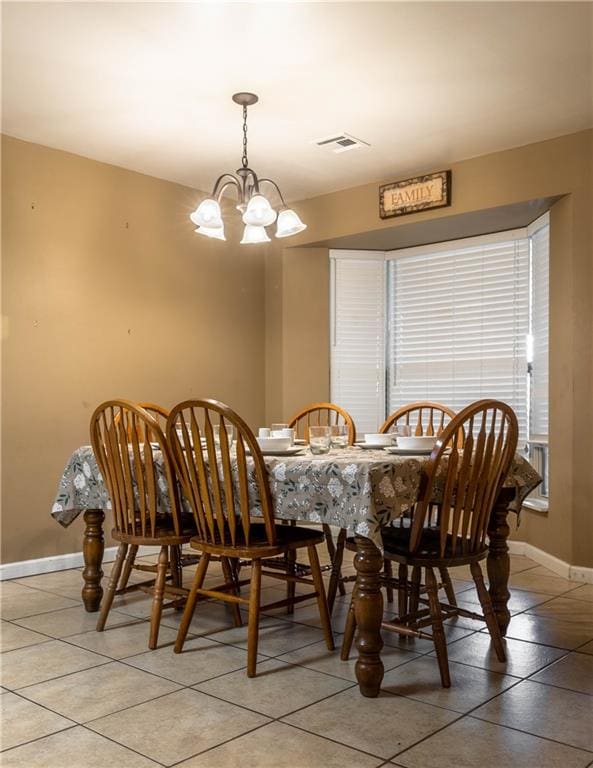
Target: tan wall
{"x": 247, "y": 326}
{"x": 107, "y": 292}
{"x": 557, "y": 167}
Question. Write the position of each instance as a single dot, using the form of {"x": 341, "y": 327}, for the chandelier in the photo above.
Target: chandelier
{"x": 257, "y": 213}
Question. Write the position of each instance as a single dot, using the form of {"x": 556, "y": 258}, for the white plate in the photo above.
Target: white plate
{"x": 371, "y": 446}
{"x": 408, "y": 451}
{"x": 288, "y": 452}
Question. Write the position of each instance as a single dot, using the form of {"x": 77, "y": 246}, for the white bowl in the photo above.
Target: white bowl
{"x": 416, "y": 443}
{"x": 274, "y": 443}
{"x": 378, "y": 438}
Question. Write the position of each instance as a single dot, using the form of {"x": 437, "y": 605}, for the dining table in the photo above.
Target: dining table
{"x": 360, "y": 490}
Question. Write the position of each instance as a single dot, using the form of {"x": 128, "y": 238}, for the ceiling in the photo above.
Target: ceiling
{"x": 147, "y": 86}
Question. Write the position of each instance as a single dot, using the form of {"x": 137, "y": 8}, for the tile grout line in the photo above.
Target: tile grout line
{"x": 296, "y": 665}
{"x": 529, "y": 733}
{"x": 38, "y": 738}
{"x": 456, "y": 720}
{"x": 553, "y": 685}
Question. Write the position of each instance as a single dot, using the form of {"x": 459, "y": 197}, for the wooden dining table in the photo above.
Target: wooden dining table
{"x": 359, "y": 490}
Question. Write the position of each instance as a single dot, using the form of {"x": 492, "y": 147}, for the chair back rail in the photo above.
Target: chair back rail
{"x": 322, "y": 414}
{"x": 478, "y": 446}
{"x": 424, "y": 418}
{"x": 159, "y": 413}
{"x": 123, "y": 437}
{"x": 216, "y": 479}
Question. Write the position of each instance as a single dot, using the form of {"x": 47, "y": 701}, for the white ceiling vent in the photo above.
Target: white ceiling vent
{"x": 341, "y": 142}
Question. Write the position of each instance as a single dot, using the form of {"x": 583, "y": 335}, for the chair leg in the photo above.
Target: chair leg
{"x": 348, "y": 633}
{"x": 176, "y": 572}
{"x": 402, "y": 590}
{"x": 388, "y": 573}
{"x": 440, "y": 643}
{"x": 125, "y": 577}
{"x": 332, "y": 551}
{"x": 448, "y": 586}
{"x": 253, "y": 628}
{"x": 229, "y": 577}
{"x": 157, "y": 600}
{"x": 235, "y": 565}
{"x": 321, "y": 598}
{"x": 114, "y": 578}
{"x": 488, "y": 611}
{"x": 192, "y": 598}
{"x": 414, "y": 592}
{"x": 335, "y": 581}
{"x": 290, "y": 585}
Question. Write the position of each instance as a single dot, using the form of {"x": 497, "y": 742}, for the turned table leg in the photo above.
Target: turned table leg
{"x": 93, "y": 545}
{"x": 498, "y": 562}
{"x": 368, "y": 609}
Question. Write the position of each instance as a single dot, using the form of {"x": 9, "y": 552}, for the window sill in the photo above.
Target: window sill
{"x": 536, "y": 505}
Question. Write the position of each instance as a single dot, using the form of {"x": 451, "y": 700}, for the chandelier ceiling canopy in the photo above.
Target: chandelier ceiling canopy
{"x": 257, "y": 212}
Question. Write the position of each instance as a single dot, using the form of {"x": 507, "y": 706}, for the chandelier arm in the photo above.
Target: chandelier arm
{"x": 277, "y": 188}
{"x": 219, "y": 187}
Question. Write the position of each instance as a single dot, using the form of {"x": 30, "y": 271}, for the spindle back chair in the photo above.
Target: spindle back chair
{"x": 466, "y": 471}
{"x": 124, "y": 438}
{"x": 227, "y": 488}
{"x": 326, "y": 414}
{"x": 321, "y": 414}
{"x": 423, "y": 418}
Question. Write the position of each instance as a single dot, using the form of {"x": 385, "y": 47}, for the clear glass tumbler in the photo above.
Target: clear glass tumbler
{"x": 339, "y": 435}
{"x": 319, "y": 439}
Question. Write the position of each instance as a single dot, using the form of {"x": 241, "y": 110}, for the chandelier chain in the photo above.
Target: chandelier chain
{"x": 244, "y": 158}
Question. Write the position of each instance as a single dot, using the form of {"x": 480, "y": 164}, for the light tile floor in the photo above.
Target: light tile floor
{"x": 73, "y": 698}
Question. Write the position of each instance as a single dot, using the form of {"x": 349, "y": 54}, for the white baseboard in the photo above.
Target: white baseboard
{"x": 573, "y": 572}
{"x": 75, "y": 560}
{"x": 57, "y": 563}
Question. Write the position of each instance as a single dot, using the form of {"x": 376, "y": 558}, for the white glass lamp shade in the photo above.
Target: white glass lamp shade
{"x": 289, "y": 224}
{"x": 253, "y": 234}
{"x": 207, "y": 214}
{"x": 216, "y": 233}
{"x": 259, "y": 212}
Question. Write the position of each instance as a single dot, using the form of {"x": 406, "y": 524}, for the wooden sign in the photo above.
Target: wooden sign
{"x": 413, "y": 195}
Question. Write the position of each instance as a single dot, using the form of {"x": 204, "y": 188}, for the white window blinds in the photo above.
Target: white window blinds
{"x": 357, "y": 325}
{"x": 458, "y": 318}
{"x": 539, "y": 236}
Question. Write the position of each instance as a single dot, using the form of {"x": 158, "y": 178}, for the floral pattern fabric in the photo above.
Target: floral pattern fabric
{"x": 361, "y": 490}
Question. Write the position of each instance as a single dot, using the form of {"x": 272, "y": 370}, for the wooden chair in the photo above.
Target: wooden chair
{"x": 325, "y": 414}
{"x": 224, "y": 488}
{"x": 475, "y": 469}
{"x": 424, "y": 418}
{"x": 160, "y": 414}
{"x": 123, "y": 435}
{"x": 321, "y": 414}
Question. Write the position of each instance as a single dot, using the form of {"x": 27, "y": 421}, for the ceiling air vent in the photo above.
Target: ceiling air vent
{"x": 343, "y": 142}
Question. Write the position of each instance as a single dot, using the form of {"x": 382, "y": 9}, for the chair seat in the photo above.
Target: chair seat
{"x": 287, "y": 538}
{"x": 396, "y": 543}
{"x": 164, "y": 534}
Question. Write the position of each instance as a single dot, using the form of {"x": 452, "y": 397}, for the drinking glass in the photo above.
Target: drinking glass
{"x": 319, "y": 439}
{"x": 339, "y": 435}
{"x": 276, "y": 430}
